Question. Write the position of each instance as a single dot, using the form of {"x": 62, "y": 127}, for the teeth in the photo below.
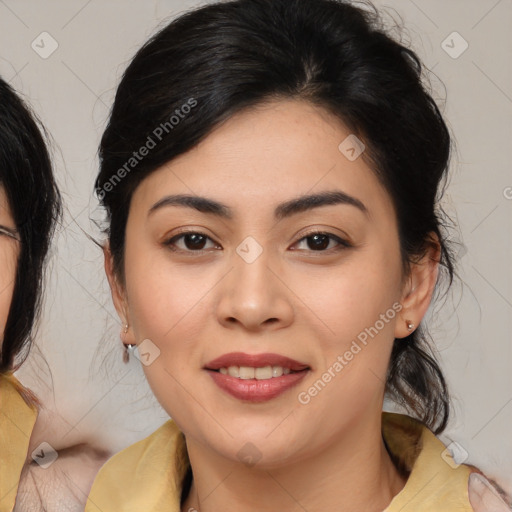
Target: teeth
{"x": 234, "y": 371}
{"x": 247, "y": 372}
{"x": 277, "y": 371}
{"x": 263, "y": 373}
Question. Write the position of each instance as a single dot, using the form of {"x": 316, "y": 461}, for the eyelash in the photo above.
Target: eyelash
{"x": 342, "y": 244}
{"x": 9, "y": 234}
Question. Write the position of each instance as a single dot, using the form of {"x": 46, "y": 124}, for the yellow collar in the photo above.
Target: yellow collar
{"x": 147, "y": 475}
{"x": 17, "y": 419}
{"x": 435, "y": 482}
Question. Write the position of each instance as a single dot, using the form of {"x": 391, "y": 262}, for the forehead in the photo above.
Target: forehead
{"x": 5, "y": 210}
{"x": 267, "y": 154}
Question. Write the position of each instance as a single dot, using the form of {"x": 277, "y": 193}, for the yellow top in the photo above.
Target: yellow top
{"x": 147, "y": 475}
{"x": 17, "y": 419}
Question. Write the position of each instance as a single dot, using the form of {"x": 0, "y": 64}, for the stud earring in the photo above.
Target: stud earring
{"x": 410, "y": 325}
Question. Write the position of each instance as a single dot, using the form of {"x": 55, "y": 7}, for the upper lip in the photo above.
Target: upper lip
{"x": 254, "y": 361}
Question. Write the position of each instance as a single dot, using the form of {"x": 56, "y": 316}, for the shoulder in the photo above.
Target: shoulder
{"x": 155, "y": 464}
{"x": 63, "y": 483}
{"x": 154, "y": 448}
{"x": 58, "y": 466}
{"x": 485, "y": 496}
{"x": 436, "y": 481}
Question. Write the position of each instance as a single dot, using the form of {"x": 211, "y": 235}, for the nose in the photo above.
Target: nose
{"x": 254, "y": 297}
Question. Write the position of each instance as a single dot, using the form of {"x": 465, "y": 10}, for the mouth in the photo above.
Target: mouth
{"x": 256, "y": 378}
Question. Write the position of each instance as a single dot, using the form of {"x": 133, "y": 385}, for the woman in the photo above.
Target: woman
{"x": 33, "y": 475}
{"x": 29, "y": 207}
{"x": 271, "y": 173}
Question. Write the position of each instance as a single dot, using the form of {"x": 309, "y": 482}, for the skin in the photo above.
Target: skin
{"x": 65, "y": 484}
{"x": 62, "y": 486}
{"x": 9, "y": 251}
{"x": 292, "y": 300}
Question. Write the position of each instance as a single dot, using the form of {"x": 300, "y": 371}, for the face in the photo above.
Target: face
{"x": 9, "y": 249}
{"x": 262, "y": 316}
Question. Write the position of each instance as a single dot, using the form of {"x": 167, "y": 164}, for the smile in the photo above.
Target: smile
{"x": 256, "y": 377}
{"x": 261, "y": 373}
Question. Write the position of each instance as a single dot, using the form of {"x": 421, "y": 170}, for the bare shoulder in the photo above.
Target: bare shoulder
{"x": 485, "y": 496}
{"x": 62, "y": 484}
{"x": 61, "y": 464}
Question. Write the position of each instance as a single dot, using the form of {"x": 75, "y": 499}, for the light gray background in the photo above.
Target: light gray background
{"x": 85, "y": 381}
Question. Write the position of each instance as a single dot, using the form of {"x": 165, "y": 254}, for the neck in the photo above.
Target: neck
{"x": 354, "y": 472}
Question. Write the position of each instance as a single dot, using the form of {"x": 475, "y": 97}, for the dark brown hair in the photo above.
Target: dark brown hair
{"x": 27, "y": 178}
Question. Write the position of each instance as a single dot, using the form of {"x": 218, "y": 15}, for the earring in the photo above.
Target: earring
{"x": 128, "y": 347}
{"x": 410, "y": 325}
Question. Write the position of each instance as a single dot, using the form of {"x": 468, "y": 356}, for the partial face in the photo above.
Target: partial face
{"x": 272, "y": 317}
{"x": 9, "y": 249}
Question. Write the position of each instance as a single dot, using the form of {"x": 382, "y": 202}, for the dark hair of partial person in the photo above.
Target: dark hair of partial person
{"x": 27, "y": 178}
{"x": 230, "y": 56}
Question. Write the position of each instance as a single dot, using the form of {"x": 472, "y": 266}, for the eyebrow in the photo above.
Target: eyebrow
{"x": 283, "y": 210}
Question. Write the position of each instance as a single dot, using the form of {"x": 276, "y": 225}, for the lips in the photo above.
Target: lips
{"x": 287, "y": 373}
{"x": 255, "y": 361}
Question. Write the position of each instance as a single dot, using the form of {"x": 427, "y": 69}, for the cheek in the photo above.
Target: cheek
{"x": 7, "y": 276}
{"x": 162, "y": 300}
{"x": 168, "y": 305}
{"x": 356, "y": 307}
{"x": 350, "y": 297}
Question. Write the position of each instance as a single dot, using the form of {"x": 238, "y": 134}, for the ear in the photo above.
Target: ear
{"x": 419, "y": 288}
{"x": 118, "y": 296}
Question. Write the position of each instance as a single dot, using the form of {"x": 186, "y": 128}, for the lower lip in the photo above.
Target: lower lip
{"x": 253, "y": 390}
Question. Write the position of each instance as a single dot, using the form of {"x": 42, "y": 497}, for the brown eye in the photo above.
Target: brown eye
{"x": 194, "y": 241}
{"x": 190, "y": 242}
{"x": 320, "y": 242}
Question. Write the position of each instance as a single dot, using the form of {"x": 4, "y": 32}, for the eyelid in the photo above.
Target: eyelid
{"x": 169, "y": 241}
{"x": 10, "y": 233}
{"x": 343, "y": 243}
